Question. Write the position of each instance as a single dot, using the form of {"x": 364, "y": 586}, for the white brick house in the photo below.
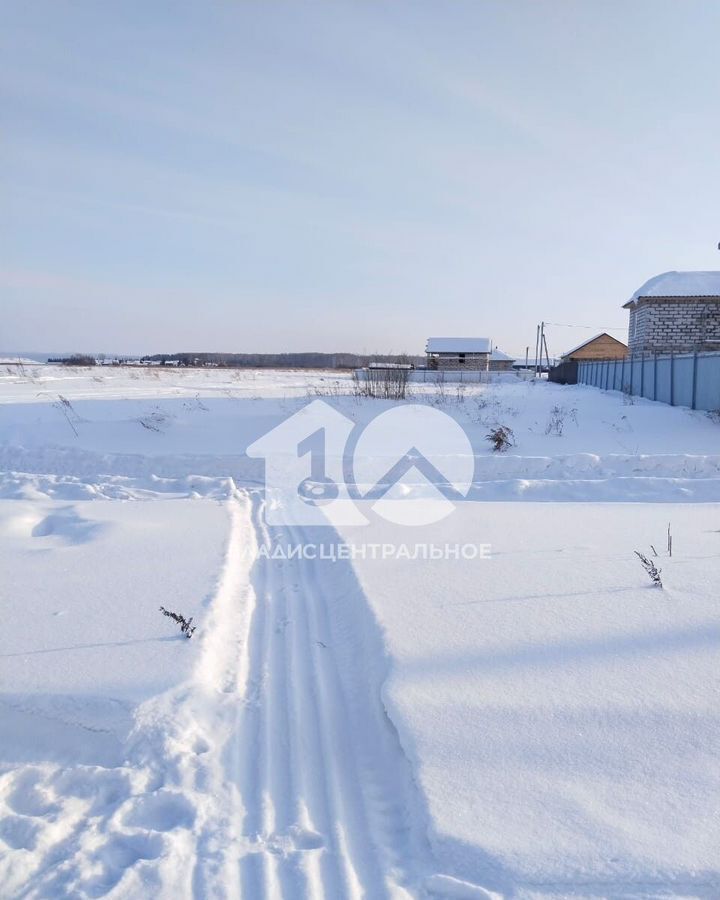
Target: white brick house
{"x": 675, "y": 311}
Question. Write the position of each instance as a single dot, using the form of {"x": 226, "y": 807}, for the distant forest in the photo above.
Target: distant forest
{"x": 246, "y": 360}
{"x": 280, "y": 360}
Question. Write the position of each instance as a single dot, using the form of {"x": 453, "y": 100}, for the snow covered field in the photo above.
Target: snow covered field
{"x": 543, "y": 723}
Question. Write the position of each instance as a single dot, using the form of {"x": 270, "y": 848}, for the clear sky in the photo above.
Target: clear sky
{"x": 254, "y": 175}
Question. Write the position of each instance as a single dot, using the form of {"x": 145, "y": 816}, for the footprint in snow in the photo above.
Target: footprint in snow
{"x": 297, "y": 840}
{"x": 27, "y": 798}
{"x": 104, "y": 789}
{"x": 200, "y": 746}
{"x": 162, "y": 811}
{"x": 19, "y": 832}
{"x": 119, "y": 854}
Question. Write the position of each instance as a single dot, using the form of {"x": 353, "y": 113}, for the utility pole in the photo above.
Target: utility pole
{"x": 537, "y": 345}
{"x": 547, "y": 352}
{"x": 540, "y": 347}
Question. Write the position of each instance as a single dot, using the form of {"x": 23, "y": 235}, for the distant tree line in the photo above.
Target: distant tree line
{"x": 279, "y": 360}
{"x": 248, "y": 360}
{"x": 77, "y": 359}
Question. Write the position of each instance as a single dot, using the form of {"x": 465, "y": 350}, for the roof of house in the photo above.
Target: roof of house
{"x": 679, "y": 284}
{"x": 499, "y": 356}
{"x": 589, "y": 341}
{"x": 532, "y": 362}
{"x": 458, "y": 345}
{"x": 389, "y": 365}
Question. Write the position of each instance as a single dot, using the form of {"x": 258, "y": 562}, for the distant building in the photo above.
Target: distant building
{"x": 602, "y": 346}
{"x": 458, "y": 353}
{"x": 500, "y": 362}
{"x": 390, "y": 365}
{"x": 675, "y": 311}
{"x": 529, "y": 364}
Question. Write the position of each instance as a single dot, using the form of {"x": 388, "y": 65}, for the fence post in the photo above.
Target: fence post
{"x": 672, "y": 378}
{"x": 622, "y": 376}
{"x": 642, "y": 374}
{"x": 655, "y": 376}
{"x": 694, "y": 381}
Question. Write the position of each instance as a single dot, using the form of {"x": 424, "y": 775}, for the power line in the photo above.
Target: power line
{"x": 566, "y": 325}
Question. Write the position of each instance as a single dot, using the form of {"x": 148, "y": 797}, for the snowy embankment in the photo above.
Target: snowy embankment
{"x": 561, "y": 713}
{"x": 553, "y": 721}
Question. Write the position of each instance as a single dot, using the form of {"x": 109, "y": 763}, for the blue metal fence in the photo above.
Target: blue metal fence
{"x": 680, "y": 379}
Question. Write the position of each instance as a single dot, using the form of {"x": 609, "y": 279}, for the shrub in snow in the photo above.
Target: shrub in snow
{"x": 67, "y": 409}
{"x": 386, "y": 383}
{"x": 501, "y": 438}
{"x": 186, "y": 625}
{"x": 556, "y": 422}
{"x": 650, "y": 568}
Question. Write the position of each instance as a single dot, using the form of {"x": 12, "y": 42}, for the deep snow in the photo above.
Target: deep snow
{"x": 562, "y": 714}
{"x": 541, "y": 724}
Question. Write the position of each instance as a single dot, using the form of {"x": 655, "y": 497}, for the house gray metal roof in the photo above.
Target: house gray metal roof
{"x": 532, "y": 362}
{"x": 458, "y": 345}
{"x": 679, "y": 284}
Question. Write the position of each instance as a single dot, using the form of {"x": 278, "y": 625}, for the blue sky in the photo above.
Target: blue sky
{"x": 267, "y": 176}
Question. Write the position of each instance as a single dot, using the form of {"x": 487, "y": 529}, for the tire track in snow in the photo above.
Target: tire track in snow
{"x": 279, "y": 752}
{"x": 309, "y": 814}
{"x": 265, "y": 751}
{"x": 328, "y": 797}
{"x": 351, "y": 835}
{"x": 256, "y": 878}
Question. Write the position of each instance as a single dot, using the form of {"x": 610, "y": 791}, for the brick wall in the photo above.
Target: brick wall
{"x": 661, "y": 325}
{"x": 453, "y": 361}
